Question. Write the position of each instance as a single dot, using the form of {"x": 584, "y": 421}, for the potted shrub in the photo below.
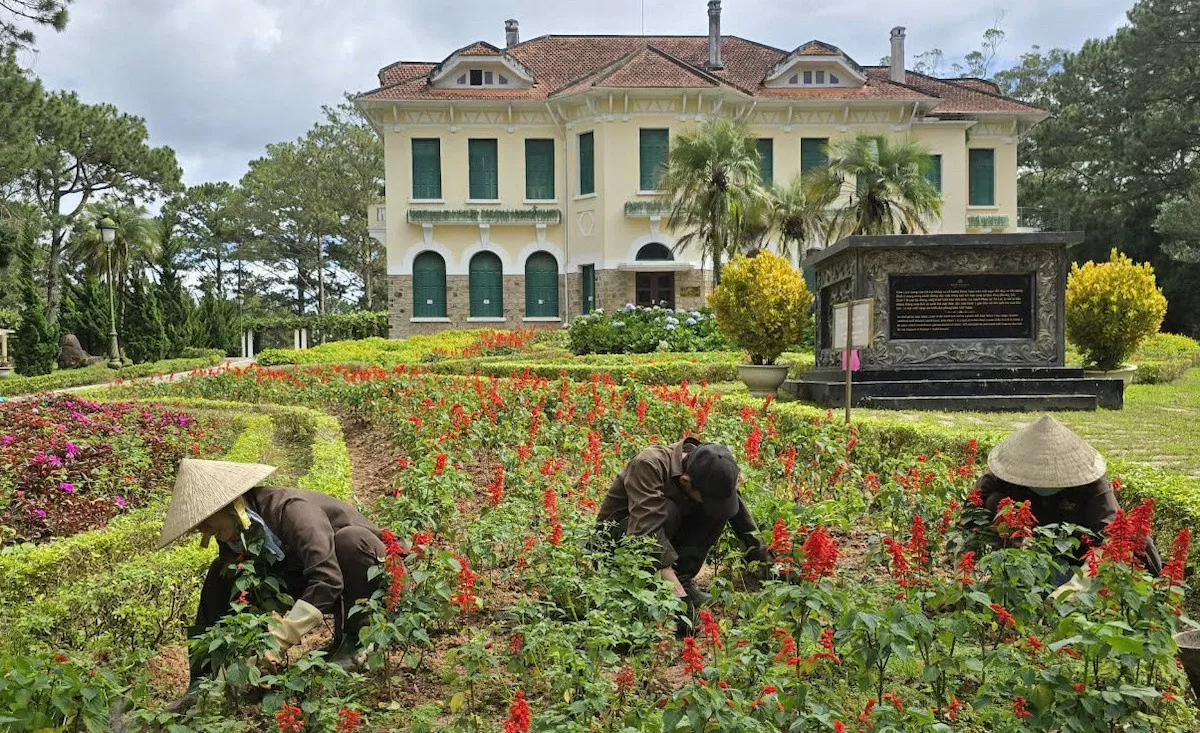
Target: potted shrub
{"x": 1111, "y": 308}
{"x": 762, "y": 306}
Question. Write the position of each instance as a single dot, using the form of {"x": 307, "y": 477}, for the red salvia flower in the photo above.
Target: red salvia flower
{"x": 495, "y": 489}
{"x": 289, "y": 719}
{"x": 515, "y": 644}
{"x": 1015, "y": 521}
{"x": 439, "y": 464}
{"x": 918, "y": 543}
{"x": 953, "y": 708}
{"x": 900, "y": 567}
{"x": 711, "y": 629}
{"x": 348, "y": 721}
{"x": 624, "y": 680}
{"x": 1125, "y": 537}
{"x": 975, "y": 498}
{"x": 556, "y": 533}
{"x": 820, "y": 555}
{"x": 894, "y": 698}
{"x": 1035, "y": 645}
{"x": 1174, "y": 569}
{"x": 1079, "y": 686}
{"x": 642, "y": 406}
{"x": 788, "y": 650}
{"x": 966, "y": 567}
{"x": 519, "y": 715}
{"x": 753, "y": 444}
{"x": 550, "y": 504}
{"x": 1003, "y": 616}
{"x": 868, "y": 709}
{"x": 465, "y": 597}
{"x": 1019, "y": 708}
{"x": 789, "y": 461}
{"x": 693, "y": 658}
{"x": 839, "y": 727}
{"x": 781, "y": 538}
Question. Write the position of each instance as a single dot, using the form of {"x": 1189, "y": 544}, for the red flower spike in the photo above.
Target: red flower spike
{"x": 820, "y": 555}
{"x": 693, "y": 658}
{"x": 1019, "y": 708}
{"x": 519, "y": 715}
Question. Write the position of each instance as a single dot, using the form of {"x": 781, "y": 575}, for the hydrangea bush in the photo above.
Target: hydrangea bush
{"x": 639, "y": 330}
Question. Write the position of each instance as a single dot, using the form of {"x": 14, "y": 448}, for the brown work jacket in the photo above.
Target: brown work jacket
{"x": 1092, "y": 506}
{"x": 305, "y": 522}
{"x": 647, "y": 491}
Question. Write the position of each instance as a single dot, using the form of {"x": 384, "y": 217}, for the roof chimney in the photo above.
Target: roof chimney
{"x": 898, "y": 74}
{"x": 714, "y": 35}
{"x": 512, "y": 33}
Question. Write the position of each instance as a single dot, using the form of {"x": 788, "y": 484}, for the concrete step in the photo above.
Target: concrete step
{"x": 989, "y": 403}
{"x": 954, "y": 373}
{"x": 1106, "y": 393}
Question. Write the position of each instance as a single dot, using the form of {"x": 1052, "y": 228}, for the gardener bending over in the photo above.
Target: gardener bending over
{"x": 1061, "y": 476}
{"x": 319, "y": 547}
{"x": 682, "y": 495}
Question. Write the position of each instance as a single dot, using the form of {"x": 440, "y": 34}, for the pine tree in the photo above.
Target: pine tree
{"x": 217, "y": 324}
{"x": 37, "y": 345}
{"x": 145, "y": 337}
{"x": 85, "y": 314}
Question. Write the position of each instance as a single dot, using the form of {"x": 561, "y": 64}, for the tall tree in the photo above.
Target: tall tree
{"x": 1179, "y": 223}
{"x": 17, "y": 15}
{"x": 352, "y": 180}
{"x": 802, "y": 212}
{"x": 892, "y": 193}
{"x": 38, "y": 345}
{"x": 708, "y": 167}
{"x": 212, "y": 221}
{"x": 19, "y": 94}
{"x": 1123, "y": 141}
{"x": 173, "y": 298}
{"x": 82, "y": 150}
{"x": 133, "y": 249}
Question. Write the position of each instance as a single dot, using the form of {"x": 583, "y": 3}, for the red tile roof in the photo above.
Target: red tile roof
{"x": 563, "y": 65}
{"x": 982, "y": 85}
{"x": 957, "y": 97}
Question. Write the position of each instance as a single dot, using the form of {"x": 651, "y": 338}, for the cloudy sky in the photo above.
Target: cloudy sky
{"x": 219, "y": 79}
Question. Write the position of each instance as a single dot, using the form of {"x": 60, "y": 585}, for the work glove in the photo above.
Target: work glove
{"x": 760, "y": 561}
{"x": 288, "y": 630}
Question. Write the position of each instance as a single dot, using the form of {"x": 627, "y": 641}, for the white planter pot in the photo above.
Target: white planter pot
{"x": 763, "y": 379}
{"x": 1125, "y": 374}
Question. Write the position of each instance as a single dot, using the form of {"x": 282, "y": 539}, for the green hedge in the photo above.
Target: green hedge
{"x": 1161, "y": 359}
{"x": 379, "y": 351}
{"x": 101, "y": 374}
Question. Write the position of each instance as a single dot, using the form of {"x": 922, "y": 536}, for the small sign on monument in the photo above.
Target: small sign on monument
{"x": 853, "y": 328}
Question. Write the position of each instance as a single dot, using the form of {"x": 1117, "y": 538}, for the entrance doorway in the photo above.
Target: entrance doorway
{"x": 656, "y": 288}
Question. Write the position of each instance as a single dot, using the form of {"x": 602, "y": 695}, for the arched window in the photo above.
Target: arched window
{"x": 486, "y": 283}
{"x": 654, "y": 251}
{"x": 541, "y": 285}
{"x": 429, "y": 286}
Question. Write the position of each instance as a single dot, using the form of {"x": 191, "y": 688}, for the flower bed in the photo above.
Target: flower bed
{"x": 881, "y": 613}
{"x": 69, "y": 464}
{"x": 376, "y": 350}
{"x": 638, "y": 330}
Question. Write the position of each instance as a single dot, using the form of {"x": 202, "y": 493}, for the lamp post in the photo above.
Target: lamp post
{"x": 108, "y": 233}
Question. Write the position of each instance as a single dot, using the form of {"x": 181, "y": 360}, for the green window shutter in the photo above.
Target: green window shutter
{"x": 813, "y": 153}
{"x": 427, "y": 168}
{"x": 587, "y": 300}
{"x": 587, "y": 163}
{"x": 485, "y": 280}
{"x": 935, "y": 172}
{"x": 653, "y": 157}
{"x": 541, "y": 285}
{"x": 539, "y": 170}
{"x": 766, "y": 160}
{"x": 982, "y": 171}
{"x": 429, "y": 286}
{"x": 484, "y": 173}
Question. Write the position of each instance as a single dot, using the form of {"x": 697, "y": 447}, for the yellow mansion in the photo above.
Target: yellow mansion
{"x": 520, "y": 180}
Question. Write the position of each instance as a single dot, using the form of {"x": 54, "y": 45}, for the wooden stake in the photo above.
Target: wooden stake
{"x": 847, "y": 356}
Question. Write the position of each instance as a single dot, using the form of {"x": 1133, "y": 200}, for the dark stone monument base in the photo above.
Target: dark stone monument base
{"x": 989, "y": 389}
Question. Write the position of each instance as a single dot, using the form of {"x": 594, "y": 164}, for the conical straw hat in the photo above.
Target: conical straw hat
{"x": 202, "y": 488}
{"x": 1046, "y": 455}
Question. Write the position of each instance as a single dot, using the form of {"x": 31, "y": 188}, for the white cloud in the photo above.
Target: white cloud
{"x": 218, "y": 80}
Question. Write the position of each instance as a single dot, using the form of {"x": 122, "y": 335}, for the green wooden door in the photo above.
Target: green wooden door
{"x": 653, "y": 157}
{"x": 483, "y": 173}
{"x": 541, "y": 286}
{"x": 982, "y": 172}
{"x": 427, "y": 168}
{"x": 539, "y": 170}
{"x": 587, "y": 298}
{"x": 486, "y": 283}
{"x": 429, "y": 286}
{"x": 766, "y": 160}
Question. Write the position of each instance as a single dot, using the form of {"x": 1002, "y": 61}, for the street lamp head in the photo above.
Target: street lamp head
{"x": 108, "y": 230}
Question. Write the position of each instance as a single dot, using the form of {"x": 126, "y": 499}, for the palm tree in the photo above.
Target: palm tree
{"x": 892, "y": 193}
{"x": 134, "y": 248}
{"x": 802, "y": 211}
{"x": 711, "y": 171}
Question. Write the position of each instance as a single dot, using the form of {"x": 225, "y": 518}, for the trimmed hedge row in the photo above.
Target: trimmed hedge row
{"x": 129, "y": 609}
{"x": 101, "y": 374}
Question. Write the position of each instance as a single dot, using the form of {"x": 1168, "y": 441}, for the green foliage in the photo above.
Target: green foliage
{"x": 43, "y": 692}
{"x": 375, "y": 350}
{"x": 892, "y": 193}
{"x": 19, "y": 93}
{"x": 762, "y": 305}
{"x": 15, "y": 32}
{"x": 330, "y": 326}
{"x": 101, "y": 374}
{"x": 1179, "y": 223}
{"x": 217, "y": 324}
{"x": 1111, "y": 308}
{"x": 145, "y": 335}
{"x": 85, "y": 313}
{"x": 638, "y": 330}
{"x": 801, "y": 211}
{"x": 37, "y": 341}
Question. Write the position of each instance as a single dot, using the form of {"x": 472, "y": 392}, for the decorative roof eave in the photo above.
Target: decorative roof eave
{"x": 456, "y": 59}
{"x": 781, "y": 68}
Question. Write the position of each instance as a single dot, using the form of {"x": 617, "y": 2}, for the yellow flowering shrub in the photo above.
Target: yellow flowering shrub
{"x": 1111, "y": 308}
{"x": 761, "y": 305}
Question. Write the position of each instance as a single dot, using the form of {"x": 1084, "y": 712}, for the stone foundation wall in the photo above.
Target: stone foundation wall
{"x": 616, "y": 288}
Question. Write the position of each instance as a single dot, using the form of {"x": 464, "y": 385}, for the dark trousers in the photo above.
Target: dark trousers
{"x": 357, "y": 549}
{"x": 692, "y": 535}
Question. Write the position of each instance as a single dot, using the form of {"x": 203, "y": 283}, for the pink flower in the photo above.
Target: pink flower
{"x": 68, "y": 487}
{"x": 120, "y": 502}
{"x": 7, "y": 439}
{"x": 40, "y": 512}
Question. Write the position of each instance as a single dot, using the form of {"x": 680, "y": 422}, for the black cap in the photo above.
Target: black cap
{"x": 714, "y": 474}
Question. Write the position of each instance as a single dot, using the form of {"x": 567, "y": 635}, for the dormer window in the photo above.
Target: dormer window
{"x": 813, "y": 78}
{"x": 482, "y": 78}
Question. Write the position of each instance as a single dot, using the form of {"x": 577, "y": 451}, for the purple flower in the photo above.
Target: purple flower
{"x": 120, "y": 501}
{"x": 72, "y": 449}
{"x": 68, "y": 487}
{"x": 40, "y": 512}
{"x": 7, "y": 439}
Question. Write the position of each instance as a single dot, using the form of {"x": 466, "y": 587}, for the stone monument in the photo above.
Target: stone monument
{"x": 961, "y": 322}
